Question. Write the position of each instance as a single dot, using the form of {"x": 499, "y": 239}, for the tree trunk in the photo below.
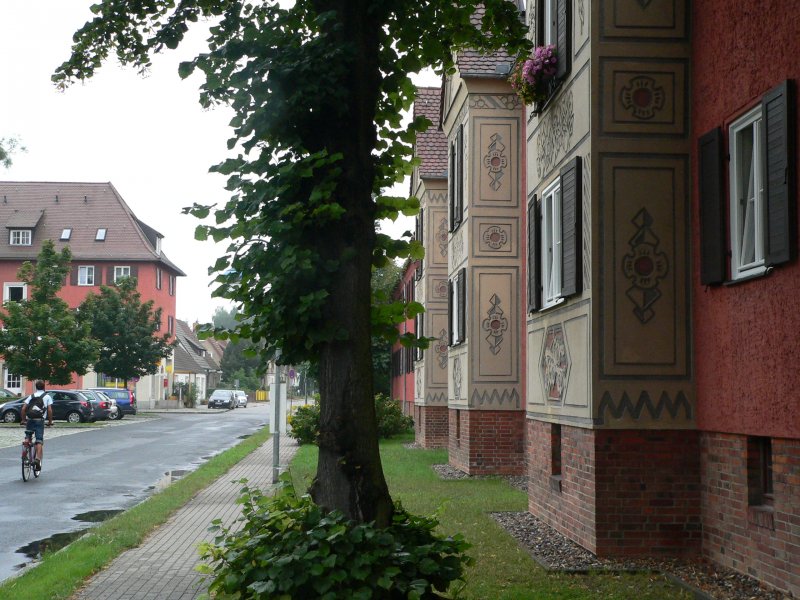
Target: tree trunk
{"x": 349, "y": 475}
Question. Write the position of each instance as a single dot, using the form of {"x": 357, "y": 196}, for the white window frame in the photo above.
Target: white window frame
{"x": 86, "y": 275}
{"x": 13, "y": 381}
{"x": 158, "y": 278}
{"x": 549, "y": 28}
{"x": 20, "y": 237}
{"x": 66, "y": 233}
{"x": 121, "y": 271}
{"x": 552, "y": 246}
{"x": 100, "y": 236}
{"x": 172, "y": 285}
{"x": 14, "y": 284}
{"x": 454, "y": 315}
{"x": 747, "y": 201}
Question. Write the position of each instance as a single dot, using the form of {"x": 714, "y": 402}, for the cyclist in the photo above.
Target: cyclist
{"x": 34, "y": 409}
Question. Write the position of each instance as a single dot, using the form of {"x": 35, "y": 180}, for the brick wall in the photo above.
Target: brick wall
{"x": 487, "y": 442}
{"x": 620, "y": 492}
{"x": 431, "y": 426}
{"x": 763, "y": 542}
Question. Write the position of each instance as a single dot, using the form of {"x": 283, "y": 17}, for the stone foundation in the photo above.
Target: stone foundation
{"x": 487, "y": 442}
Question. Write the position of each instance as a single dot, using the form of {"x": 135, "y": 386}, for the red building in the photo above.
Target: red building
{"x": 107, "y": 242}
{"x": 402, "y": 367}
{"x": 745, "y": 70}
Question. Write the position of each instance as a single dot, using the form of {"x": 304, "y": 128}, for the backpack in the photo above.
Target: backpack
{"x": 36, "y": 408}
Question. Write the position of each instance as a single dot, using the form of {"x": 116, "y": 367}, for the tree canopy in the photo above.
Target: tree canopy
{"x": 8, "y": 146}
{"x": 127, "y": 330}
{"x": 41, "y": 337}
{"x": 318, "y": 89}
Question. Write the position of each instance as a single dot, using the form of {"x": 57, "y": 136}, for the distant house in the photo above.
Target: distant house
{"x": 194, "y": 364}
{"x": 402, "y": 365}
{"x": 107, "y": 242}
{"x": 215, "y": 349}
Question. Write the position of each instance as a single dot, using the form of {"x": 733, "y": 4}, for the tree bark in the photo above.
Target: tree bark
{"x": 349, "y": 474}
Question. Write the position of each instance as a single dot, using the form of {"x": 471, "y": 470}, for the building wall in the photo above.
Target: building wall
{"x": 760, "y": 541}
{"x": 487, "y": 442}
{"x": 402, "y": 371}
{"x": 431, "y": 426}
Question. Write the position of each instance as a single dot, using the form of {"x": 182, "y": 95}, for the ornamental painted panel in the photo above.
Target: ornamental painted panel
{"x": 439, "y": 251}
{"x": 554, "y": 135}
{"x": 660, "y": 19}
{"x": 495, "y": 149}
{"x": 555, "y": 364}
{"x": 438, "y": 350}
{"x": 495, "y": 325}
{"x": 496, "y": 296}
{"x": 495, "y": 237}
{"x": 438, "y": 288}
{"x": 644, "y": 96}
{"x": 644, "y": 267}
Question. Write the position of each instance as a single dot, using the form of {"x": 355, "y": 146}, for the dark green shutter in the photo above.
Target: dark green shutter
{"x": 98, "y": 275}
{"x": 712, "y": 208}
{"x": 462, "y": 305}
{"x": 563, "y": 37}
{"x": 571, "y": 229}
{"x": 449, "y": 312}
{"x": 534, "y": 264}
{"x": 779, "y": 183}
{"x": 451, "y": 181}
{"x": 459, "y": 207}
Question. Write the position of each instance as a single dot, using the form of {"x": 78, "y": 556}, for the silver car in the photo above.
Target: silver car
{"x": 241, "y": 398}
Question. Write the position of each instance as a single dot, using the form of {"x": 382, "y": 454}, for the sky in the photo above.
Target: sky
{"x": 148, "y": 136}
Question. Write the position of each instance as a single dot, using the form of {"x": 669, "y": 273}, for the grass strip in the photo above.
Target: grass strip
{"x": 502, "y": 569}
{"x": 60, "y": 573}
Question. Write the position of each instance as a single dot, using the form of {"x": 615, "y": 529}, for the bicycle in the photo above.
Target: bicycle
{"x": 29, "y": 457}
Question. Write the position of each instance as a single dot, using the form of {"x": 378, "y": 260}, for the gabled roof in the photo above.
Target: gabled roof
{"x": 471, "y": 63}
{"x": 48, "y": 208}
{"x": 430, "y": 146}
{"x": 189, "y": 351}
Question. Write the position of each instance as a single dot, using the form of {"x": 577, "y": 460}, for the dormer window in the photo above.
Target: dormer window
{"x": 158, "y": 246}
{"x": 20, "y": 237}
{"x": 101, "y": 235}
{"x": 66, "y": 234}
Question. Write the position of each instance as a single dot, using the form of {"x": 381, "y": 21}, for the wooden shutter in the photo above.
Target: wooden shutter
{"x": 461, "y": 288}
{"x": 449, "y": 312}
{"x": 712, "y": 208}
{"x": 534, "y": 264}
{"x": 98, "y": 275}
{"x": 73, "y": 276}
{"x": 110, "y": 275}
{"x": 134, "y": 272}
{"x": 459, "y": 207}
{"x": 779, "y": 182}
{"x": 571, "y": 229}
{"x": 451, "y": 185}
{"x": 563, "y": 37}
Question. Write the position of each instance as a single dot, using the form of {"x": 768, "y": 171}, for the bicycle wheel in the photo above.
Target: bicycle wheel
{"x": 27, "y": 466}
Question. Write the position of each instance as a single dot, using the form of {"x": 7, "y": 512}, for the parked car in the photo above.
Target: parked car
{"x": 7, "y": 394}
{"x": 101, "y": 404}
{"x": 68, "y": 405}
{"x": 241, "y": 398}
{"x": 126, "y": 399}
{"x": 222, "y": 399}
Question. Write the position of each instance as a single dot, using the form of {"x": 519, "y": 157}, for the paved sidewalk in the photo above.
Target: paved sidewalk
{"x": 163, "y": 567}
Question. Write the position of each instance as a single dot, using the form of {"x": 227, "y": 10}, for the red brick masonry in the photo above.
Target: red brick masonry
{"x": 431, "y": 426}
{"x": 761, "y": 541}
{"x": 620, "y": 492}
{"x": 487, "y": 442}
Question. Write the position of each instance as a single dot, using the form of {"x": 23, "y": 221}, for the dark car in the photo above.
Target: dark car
{"x": 7, "y": 395}
{"x": 222, "y": 399}
{"x": 68, "y": 405}
{"x": 101, "y": 404}
{"x": 126, "y": 399}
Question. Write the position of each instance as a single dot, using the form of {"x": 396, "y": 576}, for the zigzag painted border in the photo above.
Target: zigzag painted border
{"x": 635, "y": 411}
{"x": 511, "y": 396}
{"x": 440, "y": 398}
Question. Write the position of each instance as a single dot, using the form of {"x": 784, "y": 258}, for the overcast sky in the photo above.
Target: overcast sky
{"x": 147, "y": 136}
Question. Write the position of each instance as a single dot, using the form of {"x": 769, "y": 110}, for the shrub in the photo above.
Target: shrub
{"x": 391, "y": 420}
{"x": 305, "y": 424}
{"x": 288, "y": 547}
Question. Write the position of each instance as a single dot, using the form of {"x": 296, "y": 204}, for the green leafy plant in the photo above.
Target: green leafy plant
{"x": 305, "y": 424}
{"x": 289, "y": 547}
{"x": 391, "y": 420}
{"x": 389, "y": 415}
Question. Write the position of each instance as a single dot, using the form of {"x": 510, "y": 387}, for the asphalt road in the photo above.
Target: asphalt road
{"x": 105, "y": 469}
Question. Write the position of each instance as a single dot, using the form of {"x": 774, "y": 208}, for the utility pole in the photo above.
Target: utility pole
{"x": 278, "y": 418}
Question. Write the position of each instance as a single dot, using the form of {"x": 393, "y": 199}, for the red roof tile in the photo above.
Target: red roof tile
{"x": 431, "y": 146}
{"x": 84, "y": 208}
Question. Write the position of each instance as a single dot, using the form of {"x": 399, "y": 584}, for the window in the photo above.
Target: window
{"x": 120, "y": 272}
{"x": 15, "y": 292}
{"x": 66, "y": 233}
{"x": 170, "y": 325}
{"x": 551, "y": 246}
{"x": 20, "y": 237}
{"x": 549, "y": 23}
{"x": 158, "y": 278}
{"x": 86, "y": 275}
{"x": 100, "y": 236}
{"x": 455, "y": 175}
{"x": 456, "y": 308}
{"x": 747, "y": 196}
{"x": 555, "y": 269}
{"x": 761, "y": 175}
{"x": 759, "y": 471}
{"x": 172, "y": 285}
{"x": 554, "y": 27}
{"x": 418, "y": 326}
{"x": 13, "y": 381}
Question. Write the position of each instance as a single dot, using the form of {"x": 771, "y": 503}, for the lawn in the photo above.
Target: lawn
{"x": 502, "y": 569}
